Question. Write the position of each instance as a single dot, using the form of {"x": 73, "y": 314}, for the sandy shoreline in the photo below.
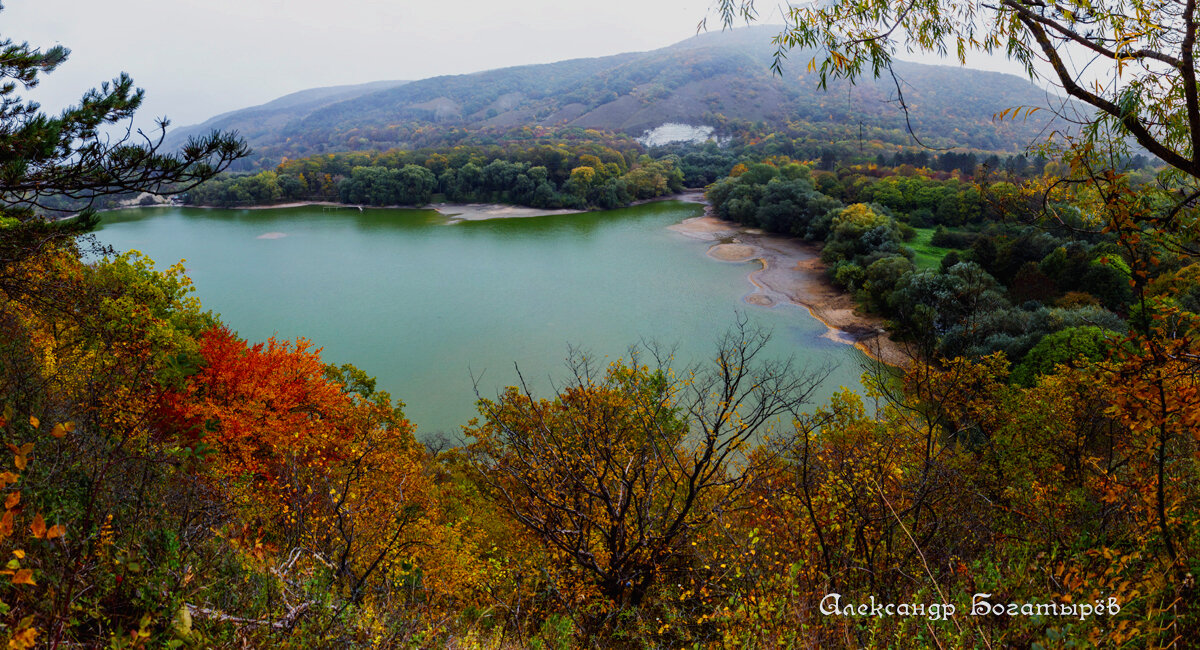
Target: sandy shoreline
{"x": 792, "y": 271}
{"x": 454, "y": 211}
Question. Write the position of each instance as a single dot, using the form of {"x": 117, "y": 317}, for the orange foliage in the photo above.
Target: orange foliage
{"x": 268, "y": 405}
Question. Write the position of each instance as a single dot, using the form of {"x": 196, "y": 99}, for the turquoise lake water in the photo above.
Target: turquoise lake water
{"x": 424, "y": 305}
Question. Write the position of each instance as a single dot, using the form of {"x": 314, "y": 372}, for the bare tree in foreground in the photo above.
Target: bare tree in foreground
{"x": 618, "y": 468}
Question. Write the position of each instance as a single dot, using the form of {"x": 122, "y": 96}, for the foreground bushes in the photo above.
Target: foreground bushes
{"x": 171, "y": 484}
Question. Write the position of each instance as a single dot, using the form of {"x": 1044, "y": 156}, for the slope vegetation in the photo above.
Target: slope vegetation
{"x": 721, "y": 79}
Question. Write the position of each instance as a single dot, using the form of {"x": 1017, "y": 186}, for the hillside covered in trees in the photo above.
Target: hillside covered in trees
{"x": 717, "y": 79}
{"x": 575, "y": 168}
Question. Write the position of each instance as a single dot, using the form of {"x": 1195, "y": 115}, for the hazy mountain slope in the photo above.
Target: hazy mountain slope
{"x": 263, "y": 124}
{"x": 717, "y": 79}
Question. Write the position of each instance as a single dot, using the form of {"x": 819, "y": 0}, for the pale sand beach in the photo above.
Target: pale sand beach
{"x": 278, "y": 206}
{"x": 734, "y": 252}
{"x": 792, "y": 271}
{"x": 482, "y": 211}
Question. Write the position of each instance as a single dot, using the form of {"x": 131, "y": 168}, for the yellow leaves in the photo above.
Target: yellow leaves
{"x": 1015, "y": 112}
{"x": 33, "y": 422}
{"x": 23, "y": 577}
{"x": 106, "y": 532}
{"x": 12, "y": 501}
{"x": 21, "y": 454}
{"x": 26, "y": 637}
{"x": 62, "y": 428}
{"x": 840, "y": 61}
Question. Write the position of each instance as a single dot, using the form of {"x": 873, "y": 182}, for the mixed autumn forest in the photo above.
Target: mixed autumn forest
{"x": 1026, "y": 476}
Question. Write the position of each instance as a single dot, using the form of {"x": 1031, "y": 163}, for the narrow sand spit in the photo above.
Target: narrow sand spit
{"x": 278, "y": 206}
{"x": 792, "y": 271}
{"x": 481, "y": 211}
{"x": 734, "y": 252}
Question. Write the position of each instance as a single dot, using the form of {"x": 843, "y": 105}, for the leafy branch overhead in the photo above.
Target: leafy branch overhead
{"x": 85, "y": 152}
{"x": 56, "y": 165}
{"x": 1142, "y": 76}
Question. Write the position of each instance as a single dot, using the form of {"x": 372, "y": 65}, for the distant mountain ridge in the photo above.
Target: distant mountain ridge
{"x": 262, "y": 124}
{"x": 714, "y": 79}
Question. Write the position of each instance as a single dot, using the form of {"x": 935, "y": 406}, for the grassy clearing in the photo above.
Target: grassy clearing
{"x": 928, "y": 256}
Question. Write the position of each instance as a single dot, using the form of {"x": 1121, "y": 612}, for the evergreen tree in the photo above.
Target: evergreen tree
{"x": 53, "y": 165}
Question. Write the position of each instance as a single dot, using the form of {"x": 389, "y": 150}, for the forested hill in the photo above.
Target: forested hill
{"x": 717, "y": 79}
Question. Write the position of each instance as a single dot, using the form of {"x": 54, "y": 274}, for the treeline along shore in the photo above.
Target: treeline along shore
{"x": 896, "y": 240}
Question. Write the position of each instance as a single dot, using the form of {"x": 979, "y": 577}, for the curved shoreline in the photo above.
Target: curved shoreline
{"x": 454, "y": 211}
{"x": 792, "y": 272}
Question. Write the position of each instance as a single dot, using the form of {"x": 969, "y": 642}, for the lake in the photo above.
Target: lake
{"x": 425, "y": 304}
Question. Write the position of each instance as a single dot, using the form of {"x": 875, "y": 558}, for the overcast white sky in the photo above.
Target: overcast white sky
{"x": 197, "y": 58}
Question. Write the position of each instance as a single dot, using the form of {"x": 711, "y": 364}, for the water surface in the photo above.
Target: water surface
{"x": 425, "y": 305}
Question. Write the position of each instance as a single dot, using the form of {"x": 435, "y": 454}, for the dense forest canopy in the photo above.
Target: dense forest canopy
{"x": 577, "y": 168}
{"x": 556, "y": 170}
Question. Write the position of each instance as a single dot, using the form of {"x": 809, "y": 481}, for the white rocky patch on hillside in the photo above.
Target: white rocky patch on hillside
{"x": 675, "y": 132}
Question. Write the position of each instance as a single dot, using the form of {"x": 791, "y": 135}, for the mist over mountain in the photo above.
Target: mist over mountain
{"x": 717, "y": 79}
{"x": 263, "y": 125}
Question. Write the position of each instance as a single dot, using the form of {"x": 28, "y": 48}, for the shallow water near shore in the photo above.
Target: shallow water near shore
{"x": 424, "y": 305}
